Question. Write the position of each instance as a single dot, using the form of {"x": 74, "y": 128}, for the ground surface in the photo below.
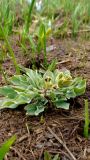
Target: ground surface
{"x": 34, "y": 137}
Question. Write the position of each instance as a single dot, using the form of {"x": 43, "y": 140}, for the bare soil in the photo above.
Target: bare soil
{"x": 33, "y": 135}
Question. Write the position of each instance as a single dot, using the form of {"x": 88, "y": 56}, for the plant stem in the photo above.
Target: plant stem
{"x": 12, "y": 55}
{"x": 45, "y": 53}
{"x": 86, "y": 125}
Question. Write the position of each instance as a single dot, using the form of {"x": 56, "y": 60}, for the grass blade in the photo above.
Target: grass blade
{"x": 6, "y": 146}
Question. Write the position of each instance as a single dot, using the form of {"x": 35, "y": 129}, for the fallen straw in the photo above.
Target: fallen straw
{"x": 61, "y": 142}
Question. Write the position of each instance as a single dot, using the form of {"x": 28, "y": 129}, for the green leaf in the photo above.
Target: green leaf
{"x": 56, "y": 157}
{"x": 34, "y": 109}
{"x": 49, "y": 76}
{"x": 6, "y": 146}
{"x": 52, "y": 66}
{"x": 8, "y": 91}
{"x": 70, "y": 93}
{"x": 80, "y": 88}
{"x": 20, "y": 80}
{"x": 61, "y": 104}
{"x": 30, "y": 108}
{"x": 35, "y": 78}
{"x": 47, "y": 156}
{"x": 22, "y": 99}
{"x": 7, "y": 103}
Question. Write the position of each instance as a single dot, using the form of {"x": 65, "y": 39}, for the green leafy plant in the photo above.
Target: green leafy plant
{"x": 6, "y": 146}
{"x": 86, "y": 126}
{"x": 38, "y": 91}
{"x": 47, "y": 156}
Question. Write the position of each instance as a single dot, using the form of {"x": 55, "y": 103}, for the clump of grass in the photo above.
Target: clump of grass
{"x": 12, "y": 55}
{"x": 77, "y": 13}
{"x": 42, "y": 42}
{"x": 6, "y": 16}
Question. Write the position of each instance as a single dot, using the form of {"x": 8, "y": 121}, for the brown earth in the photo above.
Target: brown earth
{"x": 33, "y": 136}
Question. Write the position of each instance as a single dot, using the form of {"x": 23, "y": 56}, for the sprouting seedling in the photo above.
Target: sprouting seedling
{"x": 86, "y": 125}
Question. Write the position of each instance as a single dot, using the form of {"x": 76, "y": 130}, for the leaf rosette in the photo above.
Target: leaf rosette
{"x": 35, "y": 90}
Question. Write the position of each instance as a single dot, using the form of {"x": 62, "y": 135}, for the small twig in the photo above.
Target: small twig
{"x": 80, "y": 31}
{"x": 27, "y": 129}
{"x": 33, "y": 154}
{"x": 59, "y": 152}
{"x": 61, "y": 142}
{"x": 71, "y": 118}
{"x": 84, "y": 155}
{"x": 75, "y": 128}
{"x": 6, "y": 158}
{"x": 64, "y": 61}
{"x": 18, "y": 153}
{"x": 29, "y": 136}
{"x": 22, "y": 138}
{"x": 41, "y": 151}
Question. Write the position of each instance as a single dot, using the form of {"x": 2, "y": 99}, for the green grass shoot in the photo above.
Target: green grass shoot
{"x": 86, "y": 125}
